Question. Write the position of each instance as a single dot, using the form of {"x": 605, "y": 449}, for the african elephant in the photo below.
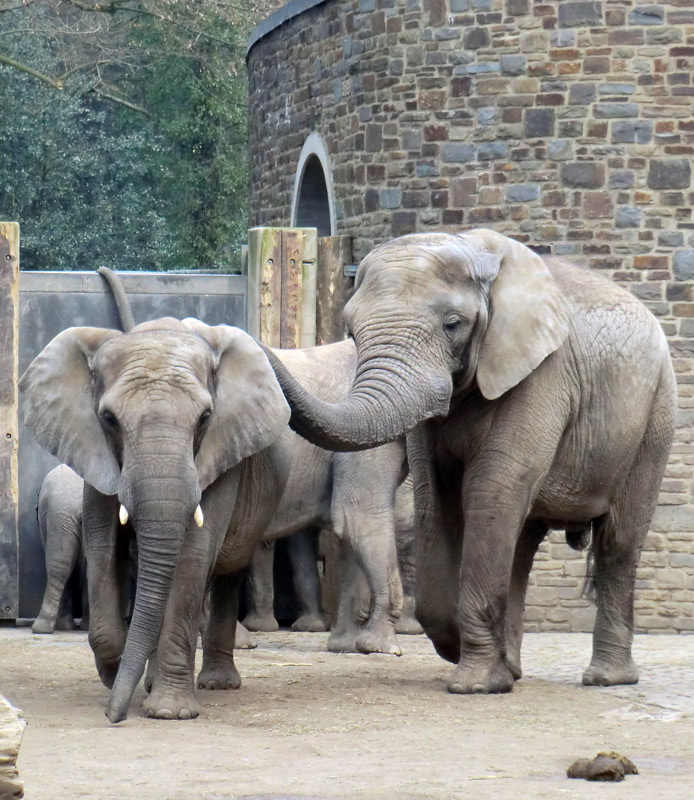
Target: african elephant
{"x": 60, "y": 528}
{"x": 355, "y": 594}
{"x": 179, "y": 428}
{"x": 534, "y": 394}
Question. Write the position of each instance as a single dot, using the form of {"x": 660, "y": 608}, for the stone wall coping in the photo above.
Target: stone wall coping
{"x": 288, "y": 11}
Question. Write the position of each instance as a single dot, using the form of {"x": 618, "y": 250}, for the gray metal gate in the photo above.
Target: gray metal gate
{"x": 49, "y": 302}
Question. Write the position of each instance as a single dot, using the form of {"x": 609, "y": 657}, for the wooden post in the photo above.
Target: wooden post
{"x": 11, "y": 730}
{"x": 9, "y": 326}
{"x": 332, "y": 288}
{"x": 281, "y": 286}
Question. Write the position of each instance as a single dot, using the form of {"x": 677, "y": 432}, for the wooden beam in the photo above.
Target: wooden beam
{"x": 9, "y": 326}
{"x": 332, "y": 288}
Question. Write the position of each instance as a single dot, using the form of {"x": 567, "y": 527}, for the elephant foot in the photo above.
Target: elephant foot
{"x": 42, "y": 625}
{"x": 219, "y": 677}
{"x": 108, "y": 672}
{"x": 265, "y": 623}
{"x": 310, "y": 622}
{"x": 65, "y": 623}
{"x": 243, "y": 639}
{"x": 379, "y": 639}
{"x": 84, "y": 624}
{"x": 343, "y": 641}
{"x": 408, "y": 626}
{"x": 603, "y": 673}
{"x": 171, "y": 704}
{"x": 514, "y": 666}
{"x": 480, "y": 679}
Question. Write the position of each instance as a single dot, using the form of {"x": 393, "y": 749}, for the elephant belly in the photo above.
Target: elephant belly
{"x": 559, "y": 502}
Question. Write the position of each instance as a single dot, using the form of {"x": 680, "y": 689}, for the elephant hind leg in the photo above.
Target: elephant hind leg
{"x": 528, "y": 542}
{"x": 617, "y": 541}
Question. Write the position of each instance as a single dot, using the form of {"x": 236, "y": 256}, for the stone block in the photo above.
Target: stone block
{"x": 597, "y": 205}
{"x": 518, "y": 8}
{"x": 522, "y": 193}
{"x": 560, "y": 149}
{"x": 463, "y": 191}
{"x": 390, "y": 198}
{"x": 475, "y": 37}
{"x": 583, "y": 174}
{"x": 621, "y": 179}
{"x": 486, "y": 116}
{"x": 412, "y": 140}
{"x": 458, "y": 6}
{"x": 647, "y": 15}
{"x": 615, "y": 110}
{"x": 403, "y": 222}
{"x": 616, "y": 88}
{"x": 374, "y": 138}
{"x": 582, "y": 94}
{"x": 673, "y": 518}
{"x": 563, "y": 38}
{"x": 539, "y": 122}
{"x": 670, "y": 238}
{"x": 580, "y": 14}
{"x": 488, "y": 151}
{"x": 628, "y": 217}
{"x": 457, "y": 152}
{"x": 513, "y": 64}
{"x": 435, "y": 11}
{"x": 683, "y": 265}
{"x": 583, "y": 619}
{"x": 669, "y": 173}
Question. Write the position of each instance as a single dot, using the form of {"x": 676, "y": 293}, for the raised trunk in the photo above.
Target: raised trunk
{"x": 387, "y": 399}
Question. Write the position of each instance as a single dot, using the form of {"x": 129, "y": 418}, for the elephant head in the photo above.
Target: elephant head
{"x": 153, "y": 416}
{"x": 433, "y": 315}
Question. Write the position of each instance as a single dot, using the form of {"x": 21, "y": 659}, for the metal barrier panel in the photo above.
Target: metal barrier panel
{"x": 49, "y": 302}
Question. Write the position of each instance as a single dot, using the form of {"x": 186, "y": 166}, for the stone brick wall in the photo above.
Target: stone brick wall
{"x": 567, "y": 124}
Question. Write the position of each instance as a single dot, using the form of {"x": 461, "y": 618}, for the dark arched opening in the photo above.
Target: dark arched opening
{"x": 313, "y": 206}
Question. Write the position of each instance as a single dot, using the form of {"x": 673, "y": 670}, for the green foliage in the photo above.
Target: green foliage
{"x": 140, "y": 161}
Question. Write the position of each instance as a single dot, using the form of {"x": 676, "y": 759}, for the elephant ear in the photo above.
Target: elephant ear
{"x": 528, "y": 318}
{"x": 59, "y": 406}
{"x": 250, "y": 411}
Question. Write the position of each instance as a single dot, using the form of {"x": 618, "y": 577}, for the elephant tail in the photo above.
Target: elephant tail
{"x": 127, "y": 321}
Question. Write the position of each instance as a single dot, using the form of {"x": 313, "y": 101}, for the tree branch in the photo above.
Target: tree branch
{"x": 30, "y": 71}
{"x": 120, "y": 101}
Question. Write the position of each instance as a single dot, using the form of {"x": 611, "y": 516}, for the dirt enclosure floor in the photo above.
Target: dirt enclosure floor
{"x": 309, "y": 724}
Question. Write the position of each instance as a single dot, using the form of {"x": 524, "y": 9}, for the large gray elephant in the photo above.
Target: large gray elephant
{"x": 183, "y": 427}
{"x": 535, "y": 394}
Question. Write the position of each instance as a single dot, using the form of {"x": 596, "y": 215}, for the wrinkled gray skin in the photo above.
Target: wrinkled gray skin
{"x": 355, "y": 596}
{"x": 160, "y": 419}
{"x": 60, "y": 528}
{"x": 352, "y": 494}
{"x": 536, "y": 395}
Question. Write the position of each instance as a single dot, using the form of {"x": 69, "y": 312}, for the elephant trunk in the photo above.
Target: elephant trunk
{"x": 160, "y": 523}
{"x": 388, "y": 397}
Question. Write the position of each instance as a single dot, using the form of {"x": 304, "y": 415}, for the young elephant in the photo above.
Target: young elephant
{"x": 181, "y": 425}
{"x": 60, "y": 527}
{"x": 534, "y": 395}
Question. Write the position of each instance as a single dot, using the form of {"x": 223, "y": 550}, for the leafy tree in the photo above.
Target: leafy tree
{"x": 127, "y": 141}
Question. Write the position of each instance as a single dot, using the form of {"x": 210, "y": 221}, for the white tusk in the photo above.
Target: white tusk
{"x": 123, "y": 514}
{"x": 197, "y": 516}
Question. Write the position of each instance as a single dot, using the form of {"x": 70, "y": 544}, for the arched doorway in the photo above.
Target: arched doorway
{"x": 312, "y": 202}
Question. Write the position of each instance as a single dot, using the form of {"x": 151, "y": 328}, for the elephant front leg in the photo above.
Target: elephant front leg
{"x": 485, "y": 574}
{"x": 218, "y": 668}
{"x": 103, "y": 553}
{"x": 343, "y": 636}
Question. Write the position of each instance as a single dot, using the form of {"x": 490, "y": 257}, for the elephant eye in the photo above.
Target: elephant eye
{"x": 108, "y": 420}
{"x": 452, "y": 324}
{"x": 204, "y": 417}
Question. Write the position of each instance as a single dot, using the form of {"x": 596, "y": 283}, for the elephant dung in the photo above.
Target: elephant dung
{"x": 604, "y": 767}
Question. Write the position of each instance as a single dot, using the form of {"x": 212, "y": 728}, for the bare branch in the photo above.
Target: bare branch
{"x": 30, "y": 71}
{"x": 119, "y": 101}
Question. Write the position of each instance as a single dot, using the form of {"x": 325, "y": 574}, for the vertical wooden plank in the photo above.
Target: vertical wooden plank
{"x": 332, "y": 288}
{"x": 9, "y": 325}
{"x": 292, "y": 262}
{"x": 265, "y": 284}
{"x": 308, "y": 288}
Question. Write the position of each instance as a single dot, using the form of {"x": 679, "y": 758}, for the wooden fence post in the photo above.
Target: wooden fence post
{"x": 9, "y": 326}
{"x": 332, "y": 287}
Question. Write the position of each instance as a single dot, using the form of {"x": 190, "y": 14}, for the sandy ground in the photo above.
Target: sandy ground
{"x": 310, "y": 724}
